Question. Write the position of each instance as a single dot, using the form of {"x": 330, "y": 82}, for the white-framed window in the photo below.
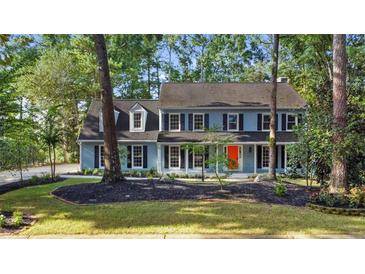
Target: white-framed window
{"x": 265, "y": 157}
{"x": 137, "y": 120}
{"x": 101, "y": 156}
{"x": 198, "y": 159}
{"x": 291, "y": 121}
{"x": 174, "y": 159}
{"x": 137, "y": 156}
{"x": 266, "y": 121}
{"x": 232, "y": 121}
{"x": 198, "y": 120}
{"x": 174, "y": 120}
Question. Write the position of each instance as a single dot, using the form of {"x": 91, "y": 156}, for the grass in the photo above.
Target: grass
{"x": 177, "y": 217}
{"x": 300, "y": 181}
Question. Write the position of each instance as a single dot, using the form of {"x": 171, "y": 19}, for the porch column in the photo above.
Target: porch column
{"x": 216, "y": 163}
{"x": 255, "y": 159}
{"x": 158, "y": 158}
{"x": 285, "y": 156}
{"x": 186, "y": 160}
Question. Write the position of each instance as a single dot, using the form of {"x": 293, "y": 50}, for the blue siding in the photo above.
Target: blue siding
{"x": 87, "y": 154}
{"x": 216, "y": 117}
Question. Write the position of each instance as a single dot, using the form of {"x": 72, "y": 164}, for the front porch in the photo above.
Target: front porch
{"x": 248, "y": 159}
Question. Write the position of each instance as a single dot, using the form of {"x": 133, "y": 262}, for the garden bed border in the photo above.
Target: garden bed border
{"x": 338, "y": 210}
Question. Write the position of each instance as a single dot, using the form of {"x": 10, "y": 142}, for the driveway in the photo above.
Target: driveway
{"x": 12, "y": 176}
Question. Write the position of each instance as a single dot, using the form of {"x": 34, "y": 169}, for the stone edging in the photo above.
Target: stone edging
{"x": 338, "y": 210}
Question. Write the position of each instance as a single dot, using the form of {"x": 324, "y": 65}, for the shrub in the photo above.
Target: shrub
{"x": 356, "y": 197}
{"x": 171, "y": 176}
{"x": 2, "y": 220}
{"x": 149, "y": 177}
{"x": 329, "y": 199}
{"x": 17, "y": 218}
{"x": 34, "y": 179}
{"x": 280, "y": 188}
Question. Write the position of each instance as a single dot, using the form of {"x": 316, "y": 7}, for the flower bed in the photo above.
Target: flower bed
{"x": 14, "y": 222}
{"x": 352, "y": 203}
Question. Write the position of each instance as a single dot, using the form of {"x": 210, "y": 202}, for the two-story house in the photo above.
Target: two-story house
{"x": 155, "y": 131}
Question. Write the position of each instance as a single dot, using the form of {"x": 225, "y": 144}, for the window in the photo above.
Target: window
{"x": 174, "y": 121}
{"x": 101, "y": 156}
{"x": 266, "y": 122}
{"x": 265, "y": 157}
{"x": 291, "y": 121}
{"x": 137, "y": 120}
{"x": 137, "y": 156}
{"x": 233, "y": 122}
{"x": 198, "y": 159}
{"x": 174, "y": 157}
{"x": 198, "y": 121}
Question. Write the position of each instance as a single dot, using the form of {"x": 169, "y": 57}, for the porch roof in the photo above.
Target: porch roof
{"x": 235, "y": 137}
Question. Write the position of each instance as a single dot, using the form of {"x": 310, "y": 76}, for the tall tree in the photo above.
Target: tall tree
{"x": 274, "y": 76}
{"x": 112, "y": 172}
{"x": 339, "y": 169}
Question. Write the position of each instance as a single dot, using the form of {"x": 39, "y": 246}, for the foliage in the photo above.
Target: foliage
{"x": 280, "y": 188}
{"x": 357, "y": 197}
{"x": 2, "y": 220}
{"x": 17, "y": 218}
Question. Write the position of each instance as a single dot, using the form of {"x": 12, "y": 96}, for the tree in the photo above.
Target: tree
{"x": 339, "y": 169}
{"x": 272, "y": 140}
{"x": 112, "y": 172}
{"x": 199, "y": 150}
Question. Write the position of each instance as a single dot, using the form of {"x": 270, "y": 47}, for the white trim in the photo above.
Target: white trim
{"x": 198, "y": 113}
{"x": 285, "y": 157}
{"x": 159, "y": 120}
{"x": 101, "y": 167}
{"x": 159, "y": 158}
{"x": 262, "y": 121}
{"x": 80, "y": 145}
{"x": 237, "y": 124}
{"x": 175, "y": 130}
{"x": 235, "y": 143}
{"x": 295, "y": 117}
{"x": 255, "y": 159}
{"x": 170, "y": 157}
{"x": 120, "y": 140}
{"x": 137, "y": 167}
{"x": 262, "y": 158}
{"x": 186, "y": 160}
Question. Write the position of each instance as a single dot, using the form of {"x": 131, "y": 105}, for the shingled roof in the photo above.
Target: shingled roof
{"x": 180, "y": 95}
{"x": 90, "y": 130}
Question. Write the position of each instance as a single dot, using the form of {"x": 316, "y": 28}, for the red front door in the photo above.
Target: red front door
{"x": 233, "y": 156}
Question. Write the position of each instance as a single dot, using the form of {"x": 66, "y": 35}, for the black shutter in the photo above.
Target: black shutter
{"x": 182, "y": 158}
{"x": 166, "y": 156}
{"x": 259, "y": 121}
{"x": 276, "y": 156}
{"x": 129, "y": 156}
{"x": 96, "y": 157}
{"x": 206, "y": 156}
{"x": 240, "y": 122}
{"x": 145, "y": 156}
{"x": 224, "y": 121}
{"x": 182, "y": 121}
{"x": 300, "y": 118}
{"x": 190, "y": 158}
{"x": 190, "y": 121}
{"x": 166, "y": 122}
{"x": 206, "y": 120}
{"x": 282, "y": 156}
{"x": 259, "y": 148}
{"x": 276, "y": 121}
{"x": 283, "y": 121}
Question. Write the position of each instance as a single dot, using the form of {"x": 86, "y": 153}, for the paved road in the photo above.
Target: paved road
{"x": 10, "y": 176}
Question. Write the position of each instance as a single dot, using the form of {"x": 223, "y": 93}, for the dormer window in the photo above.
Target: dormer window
{"x": 137, "y": 120}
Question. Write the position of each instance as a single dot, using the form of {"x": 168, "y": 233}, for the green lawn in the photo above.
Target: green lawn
{"x": 180, "y": 217}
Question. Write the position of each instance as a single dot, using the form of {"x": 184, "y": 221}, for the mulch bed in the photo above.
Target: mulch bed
{"x": 9, "y": 228}
{"x": 144, "y": 190}
{"x": 25, "y": 183}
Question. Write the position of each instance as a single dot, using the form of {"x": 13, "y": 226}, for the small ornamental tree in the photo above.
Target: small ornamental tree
{"x": 198, "y": 148}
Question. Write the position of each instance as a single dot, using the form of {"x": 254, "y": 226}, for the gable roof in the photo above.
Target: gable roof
{"x": 257, "y": 95}
{"x": 90, "y": 129}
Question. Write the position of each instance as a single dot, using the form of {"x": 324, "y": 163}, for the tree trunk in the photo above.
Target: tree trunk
{"x": 112, "y": 172}
{"x": 54, "y": 163}
{"x": 203, "y": 166}
{"x": 50, "y": 159}
{"x": 339, "y": 168}
{"x": 272, "y": 140}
